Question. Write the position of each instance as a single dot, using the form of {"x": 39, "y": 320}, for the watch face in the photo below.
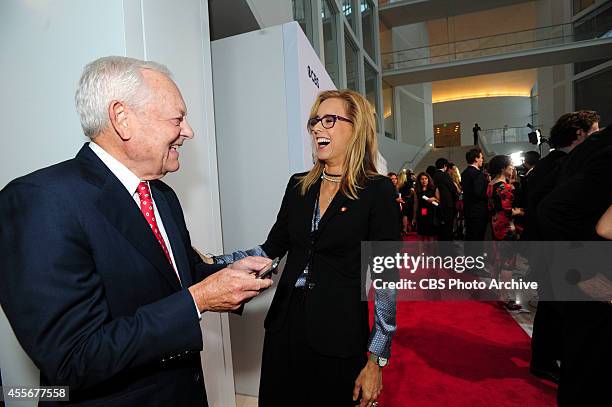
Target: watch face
{"x": 382, "y": 362}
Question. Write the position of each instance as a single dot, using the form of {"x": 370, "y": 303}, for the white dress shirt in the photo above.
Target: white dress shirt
{"x": 130, "y": 181}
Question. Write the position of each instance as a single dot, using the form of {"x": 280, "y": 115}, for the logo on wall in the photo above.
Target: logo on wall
{"x": 313, "y": 76}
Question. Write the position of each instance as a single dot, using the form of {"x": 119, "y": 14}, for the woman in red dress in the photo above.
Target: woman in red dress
{"x": 501, "y": 196}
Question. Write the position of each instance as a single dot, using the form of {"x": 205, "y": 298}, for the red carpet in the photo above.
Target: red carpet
{"x": 466, "y": 353}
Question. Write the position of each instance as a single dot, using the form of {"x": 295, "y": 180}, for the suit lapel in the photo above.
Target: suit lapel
{"x": 174, "y": 236}
{"x": 117, "y": 205}
{"x": 121, "y": 211}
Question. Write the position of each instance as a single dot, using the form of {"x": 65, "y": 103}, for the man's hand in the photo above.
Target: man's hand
{"x": 370, "y": 384}
{"x": 227, "y": 289}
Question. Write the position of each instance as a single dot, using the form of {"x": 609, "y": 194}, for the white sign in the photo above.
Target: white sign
{"x": 305, "y": 78}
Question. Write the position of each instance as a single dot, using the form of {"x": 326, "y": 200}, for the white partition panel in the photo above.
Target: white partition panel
{"x": 176, "y": 33}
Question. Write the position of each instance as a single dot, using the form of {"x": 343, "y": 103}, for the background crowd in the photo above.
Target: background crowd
{"x": 563, "y": 196}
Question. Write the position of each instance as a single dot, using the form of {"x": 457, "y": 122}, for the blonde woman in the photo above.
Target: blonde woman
{"x": 455, "y": 175}
{"x": 458, "y": 222}
{"x": 405, "y": 188}
{"x": 317, "y": 333}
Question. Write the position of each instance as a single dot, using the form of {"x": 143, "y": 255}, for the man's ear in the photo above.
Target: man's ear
{"x": 118, "y": 116}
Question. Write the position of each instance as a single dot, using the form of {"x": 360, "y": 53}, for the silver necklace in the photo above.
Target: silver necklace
{"x": 331, "y": 178}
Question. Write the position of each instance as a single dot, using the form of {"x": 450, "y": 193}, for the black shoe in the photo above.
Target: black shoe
{"x": 550, "y": 374}
{"x": 512, "y": 306}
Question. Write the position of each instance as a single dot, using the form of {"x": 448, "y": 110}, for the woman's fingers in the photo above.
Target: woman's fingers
{"x": 357, "y": 388}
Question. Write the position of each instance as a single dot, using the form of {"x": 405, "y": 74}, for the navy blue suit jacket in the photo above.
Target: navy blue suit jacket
{"x": 89, "y": 293}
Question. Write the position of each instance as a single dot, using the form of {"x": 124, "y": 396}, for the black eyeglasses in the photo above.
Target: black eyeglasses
{"x": 328, "y": 121}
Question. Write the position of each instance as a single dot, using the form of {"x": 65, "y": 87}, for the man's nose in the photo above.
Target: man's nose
{"x": 186, "y": 130}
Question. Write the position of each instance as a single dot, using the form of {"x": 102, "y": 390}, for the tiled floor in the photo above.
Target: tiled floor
{"x": 525, "y": 319}
{"x": 245, "y": 401}
{"x": 528, "y": 299}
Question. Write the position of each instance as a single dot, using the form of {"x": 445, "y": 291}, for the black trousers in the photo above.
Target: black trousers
{"x": 445, "y": 230}
{"x": 587, "y": 354}
{"x": 475, "y": 229}
{"x": 547, "y": 335}
{"x": 293, "y": 374}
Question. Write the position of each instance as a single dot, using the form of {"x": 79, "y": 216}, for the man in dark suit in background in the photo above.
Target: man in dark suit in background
{"x": 448, "y": 199}
{"x": 474, "y": 185}
{"x": 564, "y": 215}
{"x": 99, "y": 280}
{"x": 525, "y": 173}
{"x": 475, "y": 209}
{"x": 569, "y": 131}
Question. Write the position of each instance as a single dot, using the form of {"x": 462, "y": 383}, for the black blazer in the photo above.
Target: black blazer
{"x": 542, "y": 180}
{"x": 474, "y": 185}
{"x": 336, "y": 318}
{"x": 448, "y": 193}
{"x": 89, "y": 292}
{"x": 583, "y": 192}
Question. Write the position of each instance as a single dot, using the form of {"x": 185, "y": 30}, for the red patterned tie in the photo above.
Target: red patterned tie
{"x": 146, "y": 207}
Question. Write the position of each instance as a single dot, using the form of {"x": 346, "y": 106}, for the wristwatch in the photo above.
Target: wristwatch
{"x": 380, "y": 361}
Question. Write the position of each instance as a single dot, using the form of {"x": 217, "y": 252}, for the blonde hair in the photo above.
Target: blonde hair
{"x": 456, "y": 176}
{"x": 360, "y": 161}
{"x": 402, "y": 178}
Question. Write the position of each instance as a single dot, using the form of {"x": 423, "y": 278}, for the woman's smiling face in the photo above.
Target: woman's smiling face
{"x": 331, "y": 144}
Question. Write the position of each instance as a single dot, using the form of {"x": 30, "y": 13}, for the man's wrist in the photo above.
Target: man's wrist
{"x": 199, "y": 302}
{"x": 197, "y": 308}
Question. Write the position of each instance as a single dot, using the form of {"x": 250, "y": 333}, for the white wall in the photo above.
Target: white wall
{"x": 397, "y": 153}
{"x": 410, "y": 36}
{"x": 411, "y": 106}
{"x": 250, "y": 112}
{"x": 269, "y": 13}
{"x": 44, "y": 46}
{"x": 489, "y": 113}
{"x": 42, "y": 58}
{"x": 413, "y": 113}
{"x": 555, "y": 85}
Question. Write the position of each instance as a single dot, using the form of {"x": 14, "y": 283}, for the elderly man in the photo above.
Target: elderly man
{"x": 99, "y": 279}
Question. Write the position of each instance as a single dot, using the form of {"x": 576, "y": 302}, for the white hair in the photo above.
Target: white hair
{"x": 108, "y": 79}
